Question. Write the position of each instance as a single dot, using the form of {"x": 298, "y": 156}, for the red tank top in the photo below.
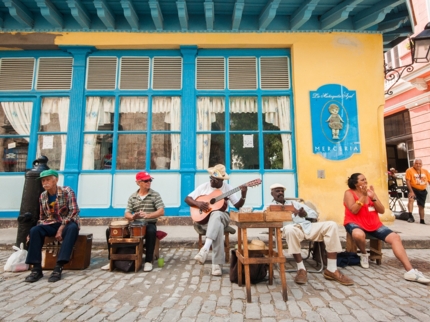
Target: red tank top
{"x": 365, "y": 218}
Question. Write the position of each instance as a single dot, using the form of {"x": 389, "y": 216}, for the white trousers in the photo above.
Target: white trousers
{"x": 326, "y": 231}
{"x": 218, "y": 220}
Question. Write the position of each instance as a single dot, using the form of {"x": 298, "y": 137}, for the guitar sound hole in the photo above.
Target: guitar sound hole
{"x": 212, "y": 201}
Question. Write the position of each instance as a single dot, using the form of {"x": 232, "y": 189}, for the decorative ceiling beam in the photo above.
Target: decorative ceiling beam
{"x": 401, "y": 32}
{"x": 268, "y": 14}
{"x": 237, "y": 14}
{"x": 19, "y": 12}
{"x": 1, "y": 21}
{"x": 182, "y": 14}
{"x": 105, "y": 13}
{"x": 393, "y": 21}
{"x": 130, "y": 14}
{"x": 209, "y": 14}
{"x": 338, "y": 14}
{"x": 50, "y": 13}
{"x": 303, "y": 14}
{"x": 157, "y": 15}
{"x": 374, "y": 15}
{"x": 80, "y": 13}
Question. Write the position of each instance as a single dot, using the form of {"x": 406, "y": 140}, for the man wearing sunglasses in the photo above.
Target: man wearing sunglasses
{"x": 218, "y": 219}
{"x": 144, "y": 205}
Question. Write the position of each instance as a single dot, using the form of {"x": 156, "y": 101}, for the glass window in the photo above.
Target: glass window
{"x": 15, "y": 120}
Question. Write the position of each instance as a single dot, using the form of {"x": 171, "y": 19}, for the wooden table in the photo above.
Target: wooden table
{"x": 271, "y": 256}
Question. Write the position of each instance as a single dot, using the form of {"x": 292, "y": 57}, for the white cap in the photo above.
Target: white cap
{"x": 277, "y": 185}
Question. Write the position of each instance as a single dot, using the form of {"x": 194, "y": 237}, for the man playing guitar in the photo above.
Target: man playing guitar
{"x": 218, "y": 219}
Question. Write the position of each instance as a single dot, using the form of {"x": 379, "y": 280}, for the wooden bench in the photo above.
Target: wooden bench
{"x": 375, "y": 251}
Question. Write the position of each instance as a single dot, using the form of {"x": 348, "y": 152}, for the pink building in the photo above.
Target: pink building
{"x": 407, "y": 109}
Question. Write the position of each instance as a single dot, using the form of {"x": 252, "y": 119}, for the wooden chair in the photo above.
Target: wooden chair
{"x": 375, "y": 249}
{"x": 227, "y": 231}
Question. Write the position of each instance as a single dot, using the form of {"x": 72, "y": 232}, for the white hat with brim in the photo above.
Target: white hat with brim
{"x": 257, "y": 244}
{"x": 218, "y": 172}
{"x": 277, "y": 185}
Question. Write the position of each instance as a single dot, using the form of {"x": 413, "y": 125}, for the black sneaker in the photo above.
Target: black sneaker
{"x": 55, "y": 275}
{"x": 34, "y": 276}
{"x": 422, "y": 221}
{"x": 411, "y": 218}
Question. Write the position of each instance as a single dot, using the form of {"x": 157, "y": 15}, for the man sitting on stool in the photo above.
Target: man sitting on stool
{"x": 302, "y": 229}
{"x": 59, "y": 217}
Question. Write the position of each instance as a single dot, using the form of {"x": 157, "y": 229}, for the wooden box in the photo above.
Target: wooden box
{"x": 81, "y": 255}
{"x": 247, "y": 216}
{"x": 279, "y": 213}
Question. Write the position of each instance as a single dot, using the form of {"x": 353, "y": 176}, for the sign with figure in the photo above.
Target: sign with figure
{"x": 335, "y": 133}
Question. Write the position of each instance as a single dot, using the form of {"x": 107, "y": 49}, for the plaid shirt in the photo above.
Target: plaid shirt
{"x": 65, "y": 209}
{"x": 151, "y": 203}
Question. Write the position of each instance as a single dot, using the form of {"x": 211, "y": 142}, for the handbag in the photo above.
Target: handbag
{"x": 347, "y": 259}
{"x": 257, "y": 272}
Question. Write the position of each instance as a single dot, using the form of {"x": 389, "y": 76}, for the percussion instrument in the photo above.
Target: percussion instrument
{"x": 119, "y": 229}
{"x": 137, "y": 229}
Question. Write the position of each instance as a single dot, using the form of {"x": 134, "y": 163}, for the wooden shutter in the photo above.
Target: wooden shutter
{"x": 167, "y": 73}
{"x": 54, "y": 73}
{"x": 210, "y": 73}
{"x": 134, "y": 73}
{"x": 274, "y": 73}
{"x": 242, "y": 73}
{"x": 16, "y": 74}
{"x": 101, "y": 72}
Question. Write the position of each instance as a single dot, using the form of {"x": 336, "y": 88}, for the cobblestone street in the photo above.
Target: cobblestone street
{"x": 185, "y": 291}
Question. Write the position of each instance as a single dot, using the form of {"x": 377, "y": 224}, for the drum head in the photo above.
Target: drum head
{"x": 119, "y": 223}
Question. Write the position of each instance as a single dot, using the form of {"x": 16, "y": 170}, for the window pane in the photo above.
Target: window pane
{"x": 97, "y": 152}
{"x": 13, "y": 154}
{"x": 131, "y": 152}
{"x": 210, "y": 114}
{"x": 162, "y": 156}
{"x": 99, "y": 113}
{"x": 277, "y": 151}
{"x": 54, "y": 115}
{"x": 210, "y": 150}
{"x": 15, "y": 117}
{"x": 54, "y": 147}
{"x": 244, "y": 151}
{"x": 276, "y": 113}
{"x": 133, "y": 114}
{"x": 243, "y": 113}
{"x": 166, "y": 113}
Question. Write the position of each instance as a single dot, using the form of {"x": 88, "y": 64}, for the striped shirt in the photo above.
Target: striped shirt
{"x": 151, "y": 203}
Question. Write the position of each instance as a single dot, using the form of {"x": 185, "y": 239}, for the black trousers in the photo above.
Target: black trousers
{"x": 150, "y": 238}
{"x": 37, "y": 238}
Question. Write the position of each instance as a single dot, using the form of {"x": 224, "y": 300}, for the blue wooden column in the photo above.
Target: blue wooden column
{"x": 188, "y": 125}
{"x": 76, "y": 116}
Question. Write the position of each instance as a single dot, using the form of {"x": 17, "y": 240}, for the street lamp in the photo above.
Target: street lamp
{"x": 420, "y": 53}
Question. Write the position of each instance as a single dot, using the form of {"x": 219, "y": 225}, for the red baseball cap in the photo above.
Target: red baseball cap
{"x": 143, "y": 176}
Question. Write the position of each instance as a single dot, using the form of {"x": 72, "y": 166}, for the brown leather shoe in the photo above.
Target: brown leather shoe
{"x": 338, "y": 277}
{"x": 301, "y": 277}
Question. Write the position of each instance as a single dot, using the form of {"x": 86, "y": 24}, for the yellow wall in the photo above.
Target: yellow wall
{"x": 351, "y": 59}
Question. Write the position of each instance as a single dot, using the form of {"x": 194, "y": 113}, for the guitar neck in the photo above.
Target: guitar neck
{"x": 226, "y": 194}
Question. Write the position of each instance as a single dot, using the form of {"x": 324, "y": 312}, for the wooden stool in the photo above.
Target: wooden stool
{"x": 227, "y": 231}
{"x": 375, "y": 252}
{"x": 136, "y": 242}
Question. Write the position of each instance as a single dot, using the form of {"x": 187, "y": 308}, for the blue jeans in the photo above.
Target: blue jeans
{"x": 37, "y": 238}
{"x": 381, "y": 233}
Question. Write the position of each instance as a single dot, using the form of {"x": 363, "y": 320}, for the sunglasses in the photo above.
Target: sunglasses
{"x": 146, "y": 181}
{"x": 214, "y": 179}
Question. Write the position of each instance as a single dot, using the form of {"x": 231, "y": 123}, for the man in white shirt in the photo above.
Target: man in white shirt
{"x": 301, "y": 228}
{"x": 218, "y": 219}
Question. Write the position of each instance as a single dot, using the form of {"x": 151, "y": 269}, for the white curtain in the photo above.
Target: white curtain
{"x": 98, "y": 112}
{"x": 133, "y": 105}
{"x": 277, "y": 112}
{"x": 60, "y": 106}
{"x": 171, "y": 106}
{"x": 19, "y": 116}
{"x": 207, "y": 107}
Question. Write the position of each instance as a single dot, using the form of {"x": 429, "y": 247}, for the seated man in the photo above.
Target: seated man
{"x": 59, "y": 217}
{"x": 219, "y": 219}
{"x": 302, "y": 229}
{"x": 144, "y": 205}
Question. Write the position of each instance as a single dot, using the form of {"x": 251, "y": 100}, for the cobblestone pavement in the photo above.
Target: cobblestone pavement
{"x": 185, "y": 291}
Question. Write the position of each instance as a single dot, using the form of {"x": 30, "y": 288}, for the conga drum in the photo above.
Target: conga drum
{"x": 137, "y": 229}
{"x": 119, "y": 229}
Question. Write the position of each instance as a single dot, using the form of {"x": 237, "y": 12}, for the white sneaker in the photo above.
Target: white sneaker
{"x": 201, "y": 256}
{"x": 147, "y": 267}
{"x": 364, "y": 260}
{"x": 416, "y": 276}
{"x": 106, "y": 267}
{"x": 216, "y": 270}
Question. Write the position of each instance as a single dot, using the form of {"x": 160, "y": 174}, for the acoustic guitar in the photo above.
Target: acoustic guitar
{"x": 216, "y": 202}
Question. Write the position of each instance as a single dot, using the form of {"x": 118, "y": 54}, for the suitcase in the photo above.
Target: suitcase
{"x": 81, "y": 255}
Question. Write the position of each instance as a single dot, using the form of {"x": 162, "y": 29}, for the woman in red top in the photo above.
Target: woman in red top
{"x": 362, "y": 209}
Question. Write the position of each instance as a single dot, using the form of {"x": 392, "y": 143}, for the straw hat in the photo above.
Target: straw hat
{"x": 218, "y": 172}
{"x": 257, "y": 244}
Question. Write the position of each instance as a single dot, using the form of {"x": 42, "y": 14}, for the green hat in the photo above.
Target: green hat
{"x": 48, "y": 173}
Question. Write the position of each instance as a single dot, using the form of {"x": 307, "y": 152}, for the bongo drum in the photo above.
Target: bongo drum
{"x": 119, "y": 229}
{"x": 137, "y": 229}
